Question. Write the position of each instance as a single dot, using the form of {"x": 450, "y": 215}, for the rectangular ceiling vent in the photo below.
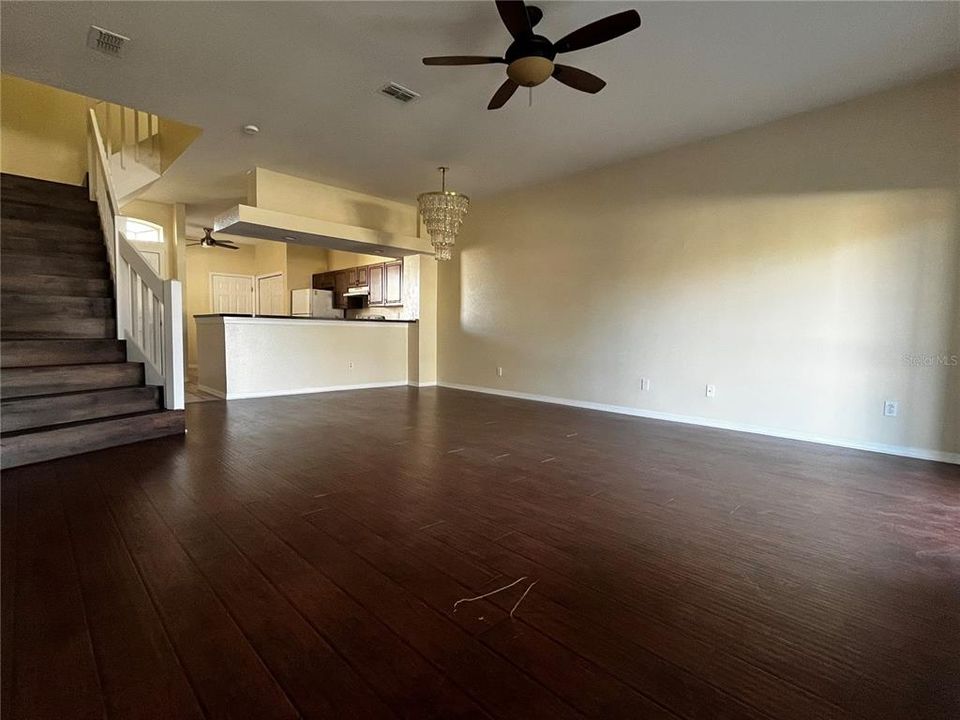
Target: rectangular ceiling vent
{"x": 109, "y": 43}
{"x": 399, "y": 92}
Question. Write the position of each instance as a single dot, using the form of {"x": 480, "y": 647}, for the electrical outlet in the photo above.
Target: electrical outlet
{"x": 350, "y": 365}
{"x": 644, "y": 384}
{"x": 891, "y": 408}
{"x": 499, "y": 371}
{"x": 711, "y": 391}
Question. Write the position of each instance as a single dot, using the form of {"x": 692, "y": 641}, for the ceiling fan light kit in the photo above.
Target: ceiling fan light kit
{"x": 530, "y": 57}
{"x": 207, "y": 241}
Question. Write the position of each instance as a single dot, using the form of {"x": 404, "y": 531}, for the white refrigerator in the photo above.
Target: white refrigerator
{"x": 314, "y": 303}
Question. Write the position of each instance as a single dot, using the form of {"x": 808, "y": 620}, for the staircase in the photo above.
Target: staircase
{"x": 66, "y": 386}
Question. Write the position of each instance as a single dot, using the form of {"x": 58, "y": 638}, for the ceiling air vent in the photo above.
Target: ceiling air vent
{"x": 109, "y": 43}
{"x": 399, "y": 92}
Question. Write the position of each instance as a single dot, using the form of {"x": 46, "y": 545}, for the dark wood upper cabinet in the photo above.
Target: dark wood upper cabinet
{"x": 342, "y": 284}
{"x": 352, "y": 277}
{"x": 324, "y": 281}
{"x": 393, "y": 283}
{"x": 362, "y": 275}
{"x": 375, "y": 283}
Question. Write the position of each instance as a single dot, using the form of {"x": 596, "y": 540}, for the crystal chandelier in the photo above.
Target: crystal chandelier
{"x": 442, "y": 213}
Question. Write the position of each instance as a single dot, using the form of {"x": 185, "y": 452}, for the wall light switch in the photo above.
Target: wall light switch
{"x": 644, "y": 383}
{"x": 711, "y": 391}
{"x": 891, "y": 408}
{"x": 499, "y": 371}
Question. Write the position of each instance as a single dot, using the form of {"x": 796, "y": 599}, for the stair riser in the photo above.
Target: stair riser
{"x": 58, "y": 328}
{"x": 63, "y": 442}
{"x": 39, "y": 284}
{"x": 16, "y": 265}
{"x": 28, "y": 190}
{"x": 79, "y": 249}
{"x": 25, "y": 306}
{"x": 48, "y": 231}
{"x": 29, "y": 413}
{"x": 86, "y": 218}
{"x": 31, "y": 353}
{"x": 23, "y": 382}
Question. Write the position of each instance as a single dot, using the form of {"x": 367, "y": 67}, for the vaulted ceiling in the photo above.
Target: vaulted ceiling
{"x": 308, "y": 74}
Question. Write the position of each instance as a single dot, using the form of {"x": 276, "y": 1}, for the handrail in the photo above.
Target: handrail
{"x": 149, "y": 308}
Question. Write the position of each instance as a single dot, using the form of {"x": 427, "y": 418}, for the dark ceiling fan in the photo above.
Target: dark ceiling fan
{"x": 529, "y": 59}
{"x": 207, "y": 241}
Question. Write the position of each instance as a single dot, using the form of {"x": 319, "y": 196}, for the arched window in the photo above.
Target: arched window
{"x": 137, "y": 230}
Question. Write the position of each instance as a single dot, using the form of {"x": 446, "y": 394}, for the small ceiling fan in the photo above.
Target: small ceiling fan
{"x": 529, "y": 59}
{"x": 207, "y": 241}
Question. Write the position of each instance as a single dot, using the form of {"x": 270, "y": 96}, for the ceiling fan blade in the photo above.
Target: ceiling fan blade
{"x": 462, "y": 60}
{"x": 504, "y": 93}
{"x": 515, "y": 17}
{"x": 225, "y": 244}
{"x": 193, "y": 244}
{"x": 598, "y": 32}
{"x": 578, "y": 79}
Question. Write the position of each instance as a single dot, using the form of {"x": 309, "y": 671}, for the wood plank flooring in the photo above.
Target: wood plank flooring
{"x": 301, "y": 557}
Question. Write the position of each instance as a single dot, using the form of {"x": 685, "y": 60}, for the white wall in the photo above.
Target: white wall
{"x": 259, "y": 357}
{"x": 796, "y": 266}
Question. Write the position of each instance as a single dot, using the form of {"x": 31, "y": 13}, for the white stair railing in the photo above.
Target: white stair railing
{"x": 149, "y": 308}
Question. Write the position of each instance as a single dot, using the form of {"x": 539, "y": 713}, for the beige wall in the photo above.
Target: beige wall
{"x": 270, "y": 258}
{"x": 200, "y": 262}
{"x": 303, "y": 262}
{"x": 260, "y": 357}
{"x": 796, "y": 266}
{"x": 43, "y": 131}
{"x": 286, "y": 193}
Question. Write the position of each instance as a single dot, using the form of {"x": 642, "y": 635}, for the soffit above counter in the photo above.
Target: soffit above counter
{"x": 255, "y": 222}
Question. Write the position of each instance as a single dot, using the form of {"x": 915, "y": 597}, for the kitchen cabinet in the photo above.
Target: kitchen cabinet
{"x": 362, "y": 273}
{"x": 375, "y": 283}
{"x": 352, "y": 277}
{"x": 341, "y": 285}
{"x": 324, "y": 281}
{"x": 393, "y": 283}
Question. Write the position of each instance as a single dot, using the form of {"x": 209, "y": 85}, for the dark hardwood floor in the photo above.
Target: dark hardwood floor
{"x": 301, "y": 556}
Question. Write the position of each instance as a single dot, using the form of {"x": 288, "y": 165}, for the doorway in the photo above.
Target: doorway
{"x": 270, "y": 299}
{"x": 231, "y": 293}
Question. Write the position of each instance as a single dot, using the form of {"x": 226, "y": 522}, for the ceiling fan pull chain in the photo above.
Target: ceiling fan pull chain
{"x": 531, "y": 96}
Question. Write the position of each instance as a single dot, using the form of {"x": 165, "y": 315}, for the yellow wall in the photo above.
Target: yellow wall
{"x": 271, "y": 257}
{"x": 286, "y": 193}
{"x": 303, "y": 261}
{"x": 44, "y": 131}
{"x": 340, "y": 259}
{"x": 200, "y": 262}
{"x": 798, "y": 266}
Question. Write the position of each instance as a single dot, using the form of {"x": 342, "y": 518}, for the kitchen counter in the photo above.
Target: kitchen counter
{"x": 294, "y": 317}
{"x": 242, "y": 356}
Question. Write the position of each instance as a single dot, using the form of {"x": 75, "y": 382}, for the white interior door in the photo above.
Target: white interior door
{"x": 231, "y": 294}
{"x": 270, "y": 295}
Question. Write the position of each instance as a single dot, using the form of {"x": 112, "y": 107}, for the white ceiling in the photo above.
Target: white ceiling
{"x": 308, "y": 74}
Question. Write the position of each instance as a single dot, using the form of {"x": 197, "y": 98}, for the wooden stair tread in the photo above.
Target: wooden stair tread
{"x": 20, "y": 264}
{"x": 57, "y": 379}
{"x": 81, "y": 249}
{"x": 40, "y": 352}
{"x": 43, "y": 284}
{"x": 27, "y": 413}
{"x": 86, "y": 436}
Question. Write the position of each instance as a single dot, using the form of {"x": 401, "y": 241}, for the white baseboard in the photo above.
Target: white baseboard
{"x": 903, "y": 451}
{"x": 423, "y": 384}
{"x": 211, "y": 391}
{"x": 303, "y": 391}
